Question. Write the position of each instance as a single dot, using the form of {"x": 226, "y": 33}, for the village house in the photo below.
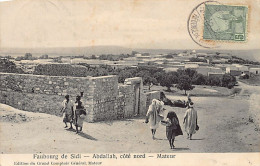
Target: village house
{"x": 170, "y": 69}
{"x": 191, "y": 66}
{"x": 254, "y": 71}
{"x": 204, "y": 70}
{"x": 212, "y": 74}
{"x": 237, "y": 70}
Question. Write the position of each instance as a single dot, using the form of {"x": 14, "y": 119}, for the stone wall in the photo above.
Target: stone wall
{"x": 126, "y": 101}
{"x": 43, "y": 103}
{"x": 41, "y": 84}
{"x": 103, "y": 98}
{"x": 61, "y": 70}
{"x": 102, "y": 103}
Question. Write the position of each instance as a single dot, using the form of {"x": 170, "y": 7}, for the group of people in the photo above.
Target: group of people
{"x": 73, "y": 113}
{"x": 155, "y": 116}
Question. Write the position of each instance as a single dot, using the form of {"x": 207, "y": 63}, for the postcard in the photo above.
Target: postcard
{"x": 129, "y": 82}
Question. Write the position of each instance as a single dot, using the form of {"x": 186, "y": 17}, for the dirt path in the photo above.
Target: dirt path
{"x": 248, "y": 89}
{"x": 224, "y": 127}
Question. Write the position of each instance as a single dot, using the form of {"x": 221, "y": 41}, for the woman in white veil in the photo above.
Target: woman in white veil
{"x": 154, "y": 115}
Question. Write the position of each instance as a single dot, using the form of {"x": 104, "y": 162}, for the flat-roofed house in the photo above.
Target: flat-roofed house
{"x": 212, "y": 74}
{"x": 237, "y": 70}
{"x": 204, "y": 70}
{"x": 191, "y": 66}
{"x": 170, "y": 69}
{"x": 255, "y": 71}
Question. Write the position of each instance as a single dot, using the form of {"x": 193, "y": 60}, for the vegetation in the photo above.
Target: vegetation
{"x": 197, "y": 60}
{"x": 182, "y": 79}
{"x": 7, "y": 66}
{"x": 238, "y": 60}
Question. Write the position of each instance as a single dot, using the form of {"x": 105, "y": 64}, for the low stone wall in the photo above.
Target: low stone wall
{"x": 39, "y": 93}
{"x": 41, "y": 84}
{"x": 254, "y": 109}
{"x": 50, "y": 104}
{"x": 127, "y": 93}
{"x": 61, "y": 70}
{"x": 103, "y": 98}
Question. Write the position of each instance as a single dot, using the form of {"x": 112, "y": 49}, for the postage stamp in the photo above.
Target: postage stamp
{"x": 211, "y": 24}
{"x": 224, "y": 22}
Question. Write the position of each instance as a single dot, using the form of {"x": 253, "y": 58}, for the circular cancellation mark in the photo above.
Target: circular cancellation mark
{"x": 196, "y": 25}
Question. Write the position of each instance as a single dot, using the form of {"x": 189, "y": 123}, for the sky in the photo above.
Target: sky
{"x": 159, "y": 24}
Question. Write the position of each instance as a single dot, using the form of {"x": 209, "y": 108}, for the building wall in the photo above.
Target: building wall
{"x": 206, "y": 70}
{"x": 254, "y": 70}
{"x": 102, "y": 97}
{"x": 235, "y": 72}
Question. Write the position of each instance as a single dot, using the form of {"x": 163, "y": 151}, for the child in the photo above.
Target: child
{"x": 67, "y": 110}
{"x": 80, "y": 114}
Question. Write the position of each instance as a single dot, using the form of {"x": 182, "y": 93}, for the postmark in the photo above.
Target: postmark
{"x": 210, "y": 24}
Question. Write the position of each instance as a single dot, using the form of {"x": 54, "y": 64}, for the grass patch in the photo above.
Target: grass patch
{"x": 253, "y": 80}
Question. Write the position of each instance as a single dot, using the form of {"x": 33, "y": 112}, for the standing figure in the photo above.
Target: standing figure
{"x": 188, "y": 100}
{"x": 154, "y": 116}
{"x": 79, "y": 114}
{"x": 67, "y": 110}
{"x": 190, "y": 120}
{"x": 173, "y": 128}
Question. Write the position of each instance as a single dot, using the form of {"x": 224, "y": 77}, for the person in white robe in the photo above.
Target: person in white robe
{"x": 190, "y": 121}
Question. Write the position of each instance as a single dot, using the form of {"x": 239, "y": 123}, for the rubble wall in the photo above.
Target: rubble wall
{"x": 102, "y": 97}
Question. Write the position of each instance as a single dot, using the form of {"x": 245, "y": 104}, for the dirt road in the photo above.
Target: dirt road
{"x": 223, "y": 122}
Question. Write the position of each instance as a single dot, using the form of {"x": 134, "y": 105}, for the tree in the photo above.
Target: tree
{"x": 199, "y": 79}
{"x": 147, "y": 78}
{"x": 158, "y": 76}
{"x": 168, "y": 56}
{"x": 228, "y": 80}
{"x": 123, "y": 75}
{"x": 8, "y": 66}
{"x": 28, "y": 56}
{"x": 214, "y": 81}
{"x": 184, "y": 83}
{"x": 191, "y": 73}
{"x": 168, "y": 80}
{"x": 93, "y": 57}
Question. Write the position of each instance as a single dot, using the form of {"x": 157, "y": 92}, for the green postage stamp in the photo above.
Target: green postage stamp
{"x": 224, "y": 22}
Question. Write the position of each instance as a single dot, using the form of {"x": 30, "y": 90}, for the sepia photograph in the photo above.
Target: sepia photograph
{"x": 129, "y": 77}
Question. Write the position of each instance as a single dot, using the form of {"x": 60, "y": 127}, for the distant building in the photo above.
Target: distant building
{"x": 145, "y": 54}
{"x": 45, "y": 56}
{"x": 170, "y": 69}
{"x": 191, "y": 66}
{"x": 219, "y": 61}
{"x": 212, "y": 74}
{"x": 141, "y": 56}
{"x": 181, "y": 67}
{"x": 254, "y": 71}
{"x": 118, "y": 66}
{"x": 204, "y": 70}
{"x": 201, "y": 55}
{"x": 237, "y": 70}
{"x": 142, "y": 63}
